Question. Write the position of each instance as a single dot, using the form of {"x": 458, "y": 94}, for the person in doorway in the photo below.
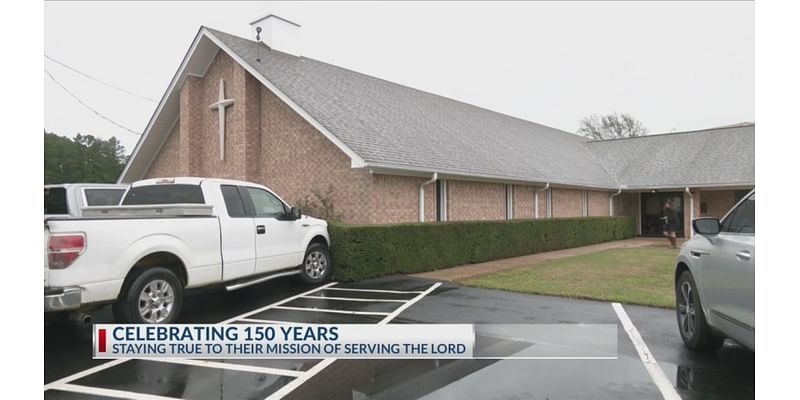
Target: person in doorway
{"x": 670, "y": 218}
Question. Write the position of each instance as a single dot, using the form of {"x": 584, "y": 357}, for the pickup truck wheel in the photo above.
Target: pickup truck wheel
{"x": 154, "y": 297}
{"x": 316, "y": 267}
{"x": 695, "y": 332}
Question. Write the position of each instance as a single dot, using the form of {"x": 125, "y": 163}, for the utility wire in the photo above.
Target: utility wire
{"x": 88, "y": 106}
{"x": 98, "y": 80}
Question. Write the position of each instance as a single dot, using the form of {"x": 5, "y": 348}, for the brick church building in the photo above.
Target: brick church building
{"x": 242, "y": 109}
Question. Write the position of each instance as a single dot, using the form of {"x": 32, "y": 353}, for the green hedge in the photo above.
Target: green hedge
{"x": 370, "y": 251}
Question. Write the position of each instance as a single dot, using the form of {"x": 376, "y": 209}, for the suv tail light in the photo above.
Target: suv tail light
{"x": 63, "y": 249}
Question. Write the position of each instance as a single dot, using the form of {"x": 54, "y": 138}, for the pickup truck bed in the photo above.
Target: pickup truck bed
{"x": 231, "y": 231}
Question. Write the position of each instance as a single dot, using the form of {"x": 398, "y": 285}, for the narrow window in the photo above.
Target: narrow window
{"x": 509, "y": 201}
{"x": 441, "y": 200}
{"x": 585, "y": 203}
{"x": 549, "y": 203}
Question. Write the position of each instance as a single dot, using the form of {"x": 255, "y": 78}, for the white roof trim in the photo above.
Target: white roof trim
{"x": 393, "y": 169}
{"x": 680, "y": 187}
{"x": 355, "y": 160}
{"x": 160, "y": 146}
{"x": 180, "y": 75}
{"x": 176, "y": 80}
{"x": 257, "y": 20}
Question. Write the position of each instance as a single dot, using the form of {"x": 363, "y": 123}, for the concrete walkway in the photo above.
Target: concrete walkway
{"x": 473, "y": 270}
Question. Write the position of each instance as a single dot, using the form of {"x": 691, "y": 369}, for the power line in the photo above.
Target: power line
{"x": 99, "y": 80}
{"x": 88, "y": 106}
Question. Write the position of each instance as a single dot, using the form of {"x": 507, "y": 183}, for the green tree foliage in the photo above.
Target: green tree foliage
{"x": 84, "y": 158}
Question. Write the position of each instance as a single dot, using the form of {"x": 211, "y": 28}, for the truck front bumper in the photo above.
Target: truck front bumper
{"x": 61, "y": 299}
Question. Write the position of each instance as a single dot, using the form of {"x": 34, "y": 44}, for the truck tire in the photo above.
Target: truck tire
{"x": 155, "y": 296}
{"x": 695, "y": 332}
{"x": 317, "y": 266}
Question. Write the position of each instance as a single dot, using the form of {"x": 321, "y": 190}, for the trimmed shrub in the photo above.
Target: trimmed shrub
{"x": 370, "y": 251}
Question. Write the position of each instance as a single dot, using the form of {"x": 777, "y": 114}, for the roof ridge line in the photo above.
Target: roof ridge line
{"x": 560, "y": 131}
{"x": 719, "y": 128}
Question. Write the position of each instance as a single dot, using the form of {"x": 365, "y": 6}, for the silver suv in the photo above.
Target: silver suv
{"x": 715, "y": 280}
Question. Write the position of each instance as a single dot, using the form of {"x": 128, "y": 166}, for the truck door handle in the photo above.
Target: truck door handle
{"x": 261, "y": 229}
{"x": 699, "y": 253}
{"x": 743, "y": 255}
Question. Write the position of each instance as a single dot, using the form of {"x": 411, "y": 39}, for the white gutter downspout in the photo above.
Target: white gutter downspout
{"x": 691, "y": 211}
{"x": 611, "y": 202}
{"x": 422, "y": 196}
{"x": 536, "y": 200}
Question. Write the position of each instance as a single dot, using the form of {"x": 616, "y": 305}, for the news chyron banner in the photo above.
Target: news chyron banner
{"x": 360, "y": 341}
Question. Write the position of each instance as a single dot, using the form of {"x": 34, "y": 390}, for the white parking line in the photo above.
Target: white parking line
{"x": 85, "y": 372}
{"x": 63, "y": 381}
{"x": 294, "y": 384}
{"x": 120, "y": 394}
{"x": 284, "y": 301}
{"x": 410, "y": 303}
{"x": 299, "y": 377}
{"x": 231, "y": 366}
{"x": 265, "y": 321}
{"x": 356, "y": 299}
{"x": 376, "y": 290}
{"x": 651, "y": 365}
{"x": 327, "y": 310}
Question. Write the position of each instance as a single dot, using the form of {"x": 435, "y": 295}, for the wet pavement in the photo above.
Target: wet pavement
{"x": 726, "y": 374}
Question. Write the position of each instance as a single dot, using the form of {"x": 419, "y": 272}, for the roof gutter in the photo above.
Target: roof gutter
{"x": 422, "y": 195}
{"x": 536, "y": 200}
{"x": 611, "y": 202}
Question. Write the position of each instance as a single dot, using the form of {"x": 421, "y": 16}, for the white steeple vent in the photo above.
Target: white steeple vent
{"x": 278, "y": 33}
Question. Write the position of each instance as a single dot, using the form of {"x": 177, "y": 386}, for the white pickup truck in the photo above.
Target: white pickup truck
{"x": 172, "y": 234}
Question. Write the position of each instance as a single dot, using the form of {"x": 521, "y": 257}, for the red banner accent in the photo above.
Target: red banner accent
{"x": 101, "y": 340}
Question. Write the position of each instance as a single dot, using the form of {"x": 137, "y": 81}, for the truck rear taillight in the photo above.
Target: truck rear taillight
{"x": 63, "y": 249}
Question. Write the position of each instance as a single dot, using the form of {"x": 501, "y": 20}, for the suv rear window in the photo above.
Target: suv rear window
{"x": 103, "y": 197}
{"x": 55, "y": 201}
{"x": 164, "y": 194}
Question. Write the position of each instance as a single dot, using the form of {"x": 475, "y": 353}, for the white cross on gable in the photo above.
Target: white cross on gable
{"x": 220, "y": 105}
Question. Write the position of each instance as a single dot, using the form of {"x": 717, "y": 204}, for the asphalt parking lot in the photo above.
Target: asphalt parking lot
{"x": 652, "y": 362}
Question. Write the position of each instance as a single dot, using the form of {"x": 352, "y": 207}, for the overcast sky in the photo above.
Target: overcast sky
{"x": 674, "y": 65}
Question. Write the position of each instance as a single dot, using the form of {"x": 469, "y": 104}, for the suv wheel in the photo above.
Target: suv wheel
{"x": 154, "y": 297}
{"x": 316, "y": 267}
{"x": 695, "y": 332}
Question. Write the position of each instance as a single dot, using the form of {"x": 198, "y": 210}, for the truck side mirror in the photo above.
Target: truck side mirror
{"x": 706, "y": 226}
{"x": 294, "y": 214}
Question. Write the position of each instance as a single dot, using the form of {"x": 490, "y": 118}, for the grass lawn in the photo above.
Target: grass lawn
{"x": 640, "y": 275}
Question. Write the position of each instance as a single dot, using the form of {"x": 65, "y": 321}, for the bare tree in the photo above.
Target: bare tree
{"x": 611, "y": 126}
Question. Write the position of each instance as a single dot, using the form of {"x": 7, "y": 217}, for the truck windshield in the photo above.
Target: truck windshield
{"x": 55, "y": 201}
{"x": 103, "y": 197}
{"x": 164, "y": 194}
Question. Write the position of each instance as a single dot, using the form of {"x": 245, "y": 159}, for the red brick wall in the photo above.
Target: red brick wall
{"x": 523, "y": 201}
{"x": 396, "y": 199}
{"x": 166, "y": 164}
{"x": 598, "y": 203}
{"x": 476, "y": 201}
{"x": 268, "y": 143}
{"x": 297, "y": 160}
{"x": 718, "y": 202}
{"x": 566, "y": 203}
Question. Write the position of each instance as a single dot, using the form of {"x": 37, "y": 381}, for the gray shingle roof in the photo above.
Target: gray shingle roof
{"x": 388, "y": 123}
{"x": 711, "y": 157}
{"x": 393, "y": 126}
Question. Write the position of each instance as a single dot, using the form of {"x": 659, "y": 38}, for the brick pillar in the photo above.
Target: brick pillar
{"x": 246, "y": 124}
{"x": 189, "y": 127}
